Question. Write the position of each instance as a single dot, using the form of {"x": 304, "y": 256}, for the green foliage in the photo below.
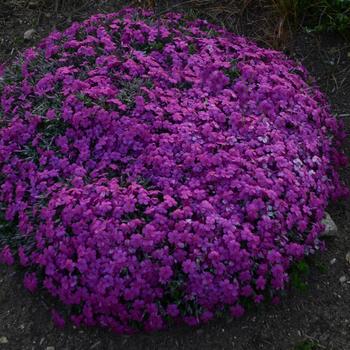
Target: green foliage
{"x": 316, "y": 15}
{"x": 248, "y": 304}
{"x": 329, "y": 15}
{"x": 192, "y": 49}
{"x": 9, "y": 234}
{"x": 321, "y": 267}
{"x": 131, "y": 89}
{"x": 12, "y": 74}
{"x": 157, "y": 45}
{"x": 298, "y": 275}
{"x": 306, "y": 345}
{"x": 232, "y": 72}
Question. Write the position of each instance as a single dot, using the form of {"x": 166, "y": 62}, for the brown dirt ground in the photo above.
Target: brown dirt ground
{"x": 319, "y": 316}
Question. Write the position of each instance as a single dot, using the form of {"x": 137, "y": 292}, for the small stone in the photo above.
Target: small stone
{"x": 347, "y": 257}
{"x": 94, "y": 346}
{"x": 33, "y": 4}
{"x": 331, "y": 228}
{"x": 50, "y": 348}
{"x": 3, "y": 340}
{"x": 28, "y": 35}
{"x": 333, "y": 261}
{"x": 342, "y": 279}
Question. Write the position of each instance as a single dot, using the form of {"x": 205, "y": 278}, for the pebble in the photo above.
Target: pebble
{"x": 33, "y": 4}
{"x": 29, "y": 34}
{"x": 342, "y": 279}
{"x": 50, "y": 348}
{"x": 347, "y": 257}
{"x": 95, "y": 345}
{"x": 333, "y": 261}
{"x": 3, "y": 340}
{"x": 331, "y": 228}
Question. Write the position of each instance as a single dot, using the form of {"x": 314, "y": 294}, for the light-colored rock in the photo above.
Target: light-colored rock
{"x": 3, "y": 340}
{"x": 333, "y": 261}
{"x": 347, "y": 257}
{"x": 94, "y": 346}
{"x": 342, "y": 279}
{"x": 331, "y": 228}
{"x": 28, "y": 35}
{"x": 33, "y": 4}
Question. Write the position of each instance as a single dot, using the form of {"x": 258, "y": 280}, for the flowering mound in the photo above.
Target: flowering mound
{"x": 155, "y": 171}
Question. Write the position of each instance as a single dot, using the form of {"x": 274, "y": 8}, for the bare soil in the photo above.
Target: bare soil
{"x": 318, "y": 318}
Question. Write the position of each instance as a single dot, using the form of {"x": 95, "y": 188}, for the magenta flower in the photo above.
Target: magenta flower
{"x": 237, "y": 311}
{"x": 30, "y": 282}
{"x": 57, "y": 319}
{"x": 6, "y": 256}
{"x": 172, "y": 310}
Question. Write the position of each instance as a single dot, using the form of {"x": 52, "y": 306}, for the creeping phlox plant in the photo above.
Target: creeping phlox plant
{"x": 156, "y": 172}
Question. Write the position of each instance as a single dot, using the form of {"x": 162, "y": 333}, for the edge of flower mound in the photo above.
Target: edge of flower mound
{"x": 161, "y": 173}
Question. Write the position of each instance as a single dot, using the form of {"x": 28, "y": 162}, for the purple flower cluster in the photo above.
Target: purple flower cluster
{"x": 161, "y": 171}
